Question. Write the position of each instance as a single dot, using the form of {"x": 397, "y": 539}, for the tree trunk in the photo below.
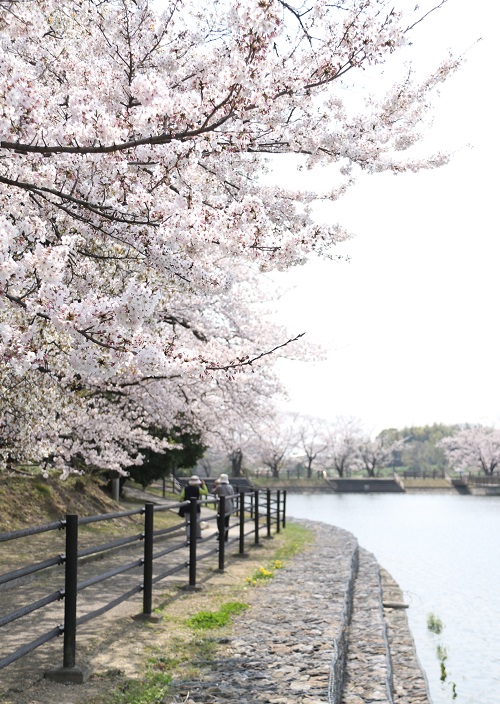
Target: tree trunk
{"x": 309, "y": 467}
{"x": 236, "y": 458}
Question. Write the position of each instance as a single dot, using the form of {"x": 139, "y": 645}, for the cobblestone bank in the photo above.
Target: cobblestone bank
{"x": 410, "y": 684}
{"x": 288, "y": 647}
{"x": 368, "y": 673}
{"x": 282, "y": 649}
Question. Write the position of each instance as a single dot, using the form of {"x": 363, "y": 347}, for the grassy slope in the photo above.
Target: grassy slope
{"x": 28, "y": 501}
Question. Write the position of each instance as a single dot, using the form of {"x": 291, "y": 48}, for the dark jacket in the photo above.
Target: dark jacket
{"x": 193, "y": 492}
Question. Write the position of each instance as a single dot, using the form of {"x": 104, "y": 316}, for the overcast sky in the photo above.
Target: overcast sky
{"x": 411, "y": 323}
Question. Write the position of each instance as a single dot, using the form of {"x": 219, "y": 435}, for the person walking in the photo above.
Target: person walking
{"x": 223, "y": 488}
{"x": 194, "y": 489}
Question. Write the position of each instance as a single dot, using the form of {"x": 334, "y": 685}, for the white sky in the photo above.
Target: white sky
{"x": 411, "y": 323}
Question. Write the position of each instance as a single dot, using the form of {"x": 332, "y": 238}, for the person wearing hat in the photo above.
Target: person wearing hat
{"x": 194, "y": 489}
{"x": 222, "y": 487}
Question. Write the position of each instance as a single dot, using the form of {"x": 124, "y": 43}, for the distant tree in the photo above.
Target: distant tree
{"x": 417, "y": 447}
{"x": 419, "y": 433}
{"x": 312, "y": 440}
{"x": 205, "y": 464}
{"x": 156, "y": 465}
{"x": 245, "y": 416}
{"x": 234, "y": 441}
{"x": 473, "y": 448}
{"x": 376, "y": 454}
{"x": 423, "y": 456}
{"x": 343, "y": 445}
{"x": 277, "y": 443}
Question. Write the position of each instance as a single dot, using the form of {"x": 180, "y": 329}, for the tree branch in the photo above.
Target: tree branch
{"x": 247, "y": 361}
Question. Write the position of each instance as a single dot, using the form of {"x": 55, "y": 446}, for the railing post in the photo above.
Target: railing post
{"x": 268, "y": 505}
{"x": 256, "y": 515}
{"x": 242, "y": 523}
{"x": 251, "y": 505}
{"x": 278, "y": 504}
{"x": 70, "y": 591}
{"x": 284, "y": 509}
{"x": 193, "y": 520}
{"x": 147, "y": 599}
{"x": 221, "y": 520}
{"x": 69, "y": 673}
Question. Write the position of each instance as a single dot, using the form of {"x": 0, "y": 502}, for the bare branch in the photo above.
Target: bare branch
{"x": 246, "y": 361}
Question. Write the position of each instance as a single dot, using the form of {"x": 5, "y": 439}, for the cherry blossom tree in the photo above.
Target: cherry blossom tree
{"x": 374, "y": 454}
{"x": 312, "y": 440}
{"x": 344, "y": 437}
{"x": 476, "y": 448}
{"x": 276, "y": 442}
{"x": 239, "y": 410}
{"x": 134, "y": 217}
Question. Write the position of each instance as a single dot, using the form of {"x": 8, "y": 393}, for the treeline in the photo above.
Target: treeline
{"x": 418, "y": 449}
{"x": 309, "y": 448}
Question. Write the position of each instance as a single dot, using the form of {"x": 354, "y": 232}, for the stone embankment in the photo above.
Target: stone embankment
{"x": 318, "y": 633}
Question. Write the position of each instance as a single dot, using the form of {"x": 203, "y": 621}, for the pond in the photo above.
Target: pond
{"x": 444, "y": 551}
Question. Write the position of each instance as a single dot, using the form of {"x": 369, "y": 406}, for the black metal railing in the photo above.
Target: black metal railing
{"x": 252, "y": 512}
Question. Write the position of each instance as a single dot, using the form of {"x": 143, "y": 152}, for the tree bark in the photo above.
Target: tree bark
{"x": 236, "y": 458}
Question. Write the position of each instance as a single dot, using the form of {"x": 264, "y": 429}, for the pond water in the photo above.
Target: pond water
{"x": 444, "y": 551}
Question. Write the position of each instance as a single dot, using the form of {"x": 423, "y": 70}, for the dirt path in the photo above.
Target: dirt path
{"x": 116, "y": 645}
{"x": 114, "y": 642}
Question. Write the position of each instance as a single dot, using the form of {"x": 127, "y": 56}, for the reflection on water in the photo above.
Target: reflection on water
{"x": 444, "y": 551}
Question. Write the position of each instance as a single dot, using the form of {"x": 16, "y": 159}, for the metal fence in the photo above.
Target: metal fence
{"x": 254, "y": 514}
{"x": 424, "y": 474}
{"x": 467, "y": 478}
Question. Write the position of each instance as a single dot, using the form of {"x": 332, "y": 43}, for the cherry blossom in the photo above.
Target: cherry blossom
{"x": 135, "y": 217}
{"x": 476, "y": 448}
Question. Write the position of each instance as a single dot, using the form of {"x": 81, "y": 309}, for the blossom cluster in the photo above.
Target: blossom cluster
{"x": 134, "y": 220}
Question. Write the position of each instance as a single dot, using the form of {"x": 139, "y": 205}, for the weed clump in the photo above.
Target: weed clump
{"x": 216, "y": 619}
{"x": 434, "y": 624}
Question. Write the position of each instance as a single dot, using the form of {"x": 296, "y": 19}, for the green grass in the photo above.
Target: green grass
{"x": 297, "y": 538}
{"x": 43, "y": 488}
{"x": 216, "y": 619}
{"x": 149, "y": 690}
